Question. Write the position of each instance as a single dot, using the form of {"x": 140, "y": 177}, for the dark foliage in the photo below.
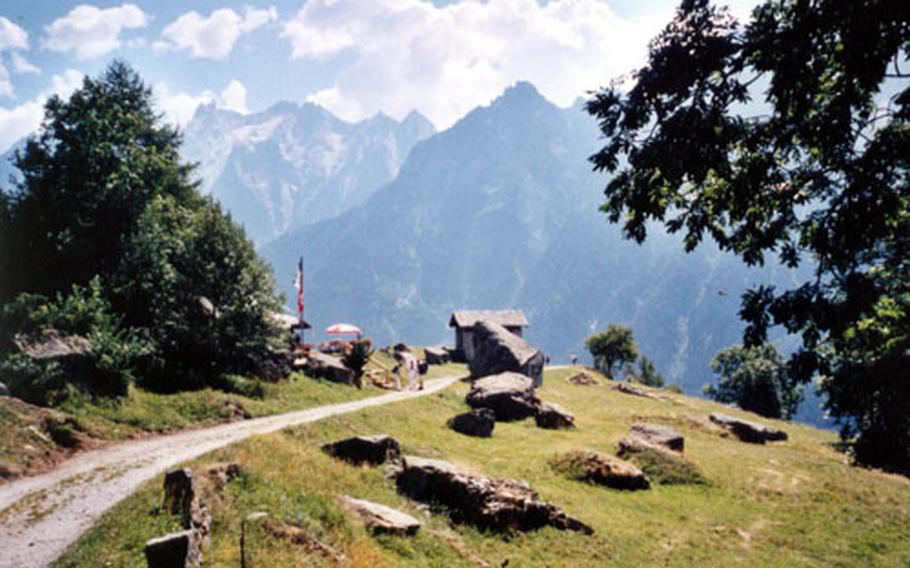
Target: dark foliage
{"x": 754, "y": 378}
{"x": 103, "y": 192}
{"x": 818, "y": 168}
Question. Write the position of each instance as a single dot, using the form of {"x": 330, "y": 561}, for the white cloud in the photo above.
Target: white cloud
{"x": 12, "y": 36}
{"x": 23, "y": 66}
{"x": 90, "y": 31}
{"x": 213, "y": 37}
{"x": 178, "y": 108}
{"x": 447, "y": 60}
{"x": 233, "y": 97}
{"x": 19, "y": 121}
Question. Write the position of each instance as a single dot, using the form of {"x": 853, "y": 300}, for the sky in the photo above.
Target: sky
{"x": 353, "y": 57}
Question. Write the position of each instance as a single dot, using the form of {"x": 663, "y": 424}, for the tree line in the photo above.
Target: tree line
{"x": 106, "y": 236}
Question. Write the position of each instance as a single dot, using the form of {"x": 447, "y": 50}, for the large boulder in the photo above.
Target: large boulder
{"x": 175, "y": 550}
{"x": 657, "y": 435}
{"x": 373, "y": 450}
{"x": 554, "y": 417}
{"x": 478, "y": 422}
{"x": 71, "y": 353}
{"x": 509, "y": 395}
{"x": 324, "y": 366}
{"x": 747, "y": 431}
{"x": 493, "y": 504}
{"x": 380, "y": 519}
{"x": 601, "y": 469}
{"x": 497, "y": 350}
{"x": 436, "y": 355}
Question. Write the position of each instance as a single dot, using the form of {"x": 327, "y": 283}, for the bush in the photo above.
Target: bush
{"x": 665, "y": 468}
{"x": 357, "y": 358}
{"x": 36, "y": 382}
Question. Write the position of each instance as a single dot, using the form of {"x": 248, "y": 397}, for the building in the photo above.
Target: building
{"x": 464, "y": 322}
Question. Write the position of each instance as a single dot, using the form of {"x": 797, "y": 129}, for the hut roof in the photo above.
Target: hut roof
{"x": 505, "y": 318}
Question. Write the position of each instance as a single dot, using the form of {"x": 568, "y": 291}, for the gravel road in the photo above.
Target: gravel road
{"x": 41, "y": 516}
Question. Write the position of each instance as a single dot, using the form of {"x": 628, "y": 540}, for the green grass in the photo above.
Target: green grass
{"x": 794, "y": 503}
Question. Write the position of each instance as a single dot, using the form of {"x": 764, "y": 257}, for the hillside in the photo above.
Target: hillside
{"x": 781, "y": 504}
{"x": 501, "y": 211}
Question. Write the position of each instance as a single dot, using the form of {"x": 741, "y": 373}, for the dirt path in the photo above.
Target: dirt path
{"x": 43, "y": 515}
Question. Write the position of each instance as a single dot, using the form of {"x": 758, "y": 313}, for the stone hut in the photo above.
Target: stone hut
{"x": 464, "y": 321}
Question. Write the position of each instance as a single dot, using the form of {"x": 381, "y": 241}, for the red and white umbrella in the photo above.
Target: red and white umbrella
{"x": 343, "y": 329}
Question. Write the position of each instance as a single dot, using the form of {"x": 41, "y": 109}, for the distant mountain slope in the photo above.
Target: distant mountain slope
{"x": 500, "y": 211}
{"x": 291, "y": 165}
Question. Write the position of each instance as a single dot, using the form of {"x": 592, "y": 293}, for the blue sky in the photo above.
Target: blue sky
{"x": 355, "y": 57}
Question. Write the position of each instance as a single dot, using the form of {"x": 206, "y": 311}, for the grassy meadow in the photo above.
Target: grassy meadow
{"x": 794, "y": 503}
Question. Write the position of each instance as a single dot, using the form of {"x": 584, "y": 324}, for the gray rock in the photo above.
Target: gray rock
{"x": 582, "y": 380}
{"x": 602, "y": 469}
{"x": 179, "y": 493}
{"x": 73, "y": 353}
{"x": 4, "y": 391}
{"x": 626, "y": 388}
{"x": 658, "y": 435}
{"x": 324, "y": 366}
{"x": 373, "y": 450}
{"x": 478, "y": 422}
{"x": 493, "y": 504}
{"x": 509, "y": 395}
{"x": 747, "y": 431}
{"x": 436, "y": 355}
{"x": 497, "y": 350}
{"x": 554, "y": 417}
{"x": 381, "y": 519}
{"x": 175, "y": 550}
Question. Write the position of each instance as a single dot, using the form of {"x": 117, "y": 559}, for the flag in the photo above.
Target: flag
{"x": 298, "y": 283}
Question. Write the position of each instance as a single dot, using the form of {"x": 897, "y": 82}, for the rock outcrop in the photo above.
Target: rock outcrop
{"x": 509, "y": 395}
{"x": 380, "y": 519}
{"x": 554, "y": 417}
{"x": 494, "y": 504}
{"x": 582, "y": 380}
{"x": 601, "y": 469}
{"x": 626, "y": 388}
{"x": 373, "y": 450}
{"x": 479, "y": 422}
{"x": 747, "y": 431}
{"x": 657, "y": 435}
{"x": 326, "y": 367}
{"x": 175, "y": 550}
{"x": 497, "y": 350}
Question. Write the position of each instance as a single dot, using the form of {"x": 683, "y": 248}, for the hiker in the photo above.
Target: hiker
{"x": 411, "y": 364}
{"x": 574, "y": 359}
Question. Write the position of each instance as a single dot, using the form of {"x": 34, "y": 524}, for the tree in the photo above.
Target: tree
{"x": 755, "y": 378}
{"x": 99, "y": 159}
{"x": 612, "y": 348}
{"x": 192, "y": 280}
{"x": 817, "y": 169}
{"x": 647, "y": 373}
{"x": 104, "y": 192}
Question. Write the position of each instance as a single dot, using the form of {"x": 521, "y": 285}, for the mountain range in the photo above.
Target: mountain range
{"x": 501, "y": 211}
{"x": 400, "y": 225}
{"x": 295, "y": 164}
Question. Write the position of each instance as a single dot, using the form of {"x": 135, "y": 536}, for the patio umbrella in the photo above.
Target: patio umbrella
{"x": 343, "y": 329}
